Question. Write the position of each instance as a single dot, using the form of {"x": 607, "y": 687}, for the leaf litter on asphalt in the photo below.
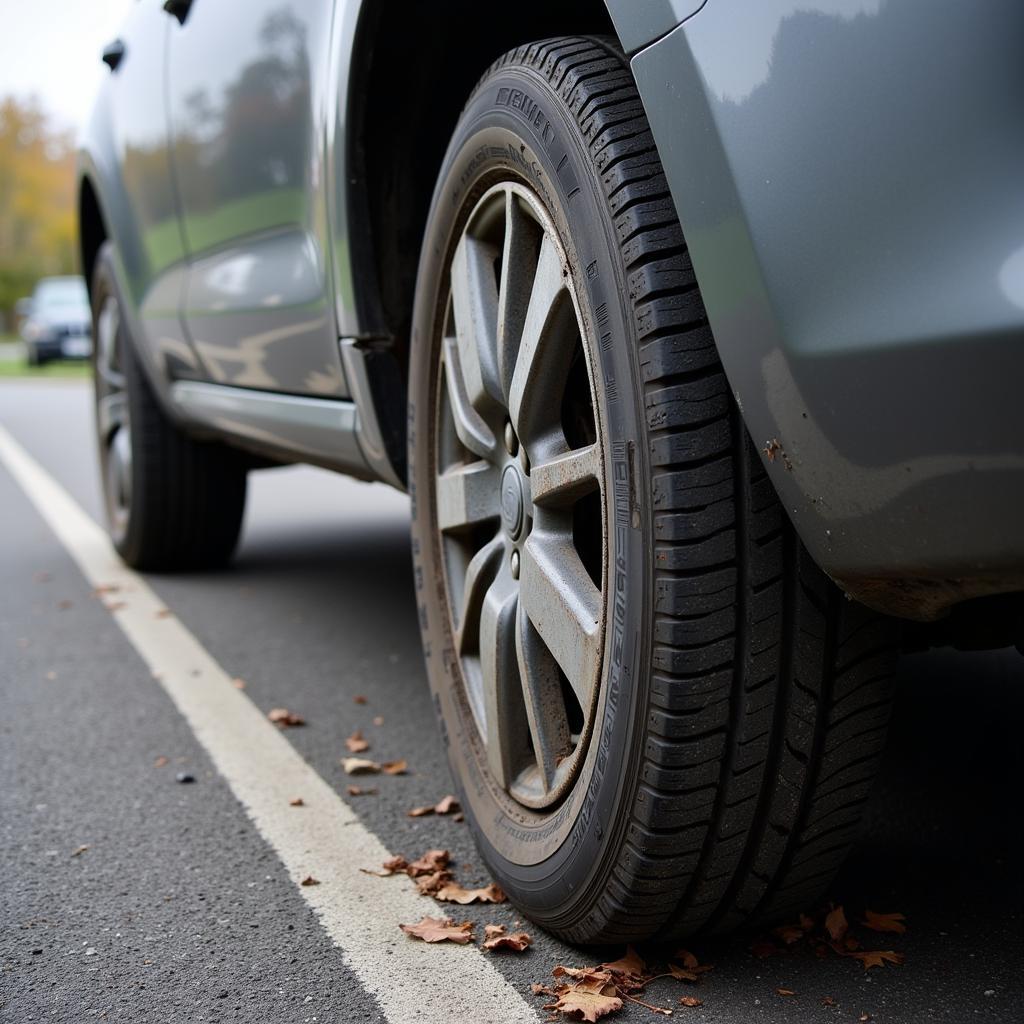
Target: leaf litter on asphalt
{"x": 446, "y": 805}
{"x": 440, "y": 929}
{"x": 285, "y": 719}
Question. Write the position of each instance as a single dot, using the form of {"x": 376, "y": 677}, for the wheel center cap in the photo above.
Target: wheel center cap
{"x": 512, "y": 502}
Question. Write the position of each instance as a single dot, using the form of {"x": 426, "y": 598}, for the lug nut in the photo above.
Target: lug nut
{"x": 515, "y": 565}
{"x": 524, "y": 461}
{"x": 511, "y": 443}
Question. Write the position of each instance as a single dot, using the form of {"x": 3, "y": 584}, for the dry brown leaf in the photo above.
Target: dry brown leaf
{"x": 458, "y": 817}
{"x": 284, "y": 719}
{"x": 394, "y": 768}
{"x": 864, "y": 1018}
{"x": 884, "y": 922}
{"x": 431, "y": 861}
{"x": 359, "y": 766}
{"x": 65, "y": 604}
{"x": 497, "y": 937}
{"x": 358, "y": 699}
{"x": 440, "y": 929}
{"x": 690, "y": 1001}
{"x": 878, "y": 958}
{"x": 580, "y": 1004}
{"x": 784, "y": 992}
{"x": 419, "y": 812}
{"x": 764, "y": 947}
{"x": 361, "y": 790}
{"x": 836, "y": 924}
{"x": 296, "y": 801}
{"x": 446, "y": 805}
{"x": 356, "y": 743}
{"x": 162, "y": 613}
{"x": 684, "y": 966}
{"x": 238, "y": 684}
{"x": 80, "y": 850}
{"x": 827, "y": 1001}
{"x": 428, "y": 885}
{"x": 453, "y": 892}
{"x": 788, "y": 933}
{"x": 378, "y": 720}
{"x": 160, "y": 761}
{"x": 629, "y": 963}
{"x": 310, "y": 880}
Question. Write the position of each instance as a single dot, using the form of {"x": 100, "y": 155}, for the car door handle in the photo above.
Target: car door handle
{"x": 113, "y": 53}
{"x": 179, "y": 8}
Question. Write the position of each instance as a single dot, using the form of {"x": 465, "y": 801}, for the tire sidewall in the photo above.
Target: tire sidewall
{"x": 554, "y": 868}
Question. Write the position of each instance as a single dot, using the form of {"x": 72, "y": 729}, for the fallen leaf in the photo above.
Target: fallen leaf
{"x": 446, "y": 805}
{"x": 788, "y": 933}
{"x": 310, "y": 880}
{"x": 361, "y": 790}
{"x": 359, "y": 766}
{"x": 784, "y": 992}
{"x": 587, "y": 1006}
{"x": 827, "y": 1001}
{"x": 878, "y": 958}
{"x": 428, "y": 885}
{"x": 439, "y": 929}
{"x": 378, "y": 720}
{"x": 836, "y": 924}
{"x": 629, "y": 963}
{"x": 284, "y": 718}
{"x": 394, "y": 768}
{"x": 238, "y": 684}
{"x": 398, "y": 863}
{"x": 458, "y": 817}
{"x": 162, "y": 613}
{"x": 864, "y": 1018}
{"x": 684, "y": 966}
{"x": 296, "y": 801}
{"x": 358, "y": 699}
{"x": 497, "y": 937}
{"x": 884, "y": 922}
{"x": 65, "y": 604}
{"x": 106, "y": 588}
{"x": 419, "y": 812}
{"x": 690, "y": 1001}
{"x": 356, "y": 743}
{"x": 764, "y": 947}
{"x": 79, "y": 850}
{"x": 431, "y": 861}
{"x": 453, "y": 892}
{"x": 160, "y": 761}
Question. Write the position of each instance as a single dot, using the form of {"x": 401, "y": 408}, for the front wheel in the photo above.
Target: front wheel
{"x": 661, "y": 716}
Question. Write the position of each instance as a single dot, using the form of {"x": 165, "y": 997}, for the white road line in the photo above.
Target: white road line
{"x": 412, "y": 981}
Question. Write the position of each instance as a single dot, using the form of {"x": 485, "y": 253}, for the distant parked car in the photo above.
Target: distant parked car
{"x": 58, "y": 323}
{"x": 697, "y": 347}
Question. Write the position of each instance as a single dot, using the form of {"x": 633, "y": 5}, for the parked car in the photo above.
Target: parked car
{"x": 694, "y": 332}
{"x": 56, "y": 321}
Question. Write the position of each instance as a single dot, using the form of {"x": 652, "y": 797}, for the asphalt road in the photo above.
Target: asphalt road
{"x": 180, "y": 909}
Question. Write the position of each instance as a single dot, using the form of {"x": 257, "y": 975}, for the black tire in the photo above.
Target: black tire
{"x": 750, "y": 699}
{"x": 187, "y": 497}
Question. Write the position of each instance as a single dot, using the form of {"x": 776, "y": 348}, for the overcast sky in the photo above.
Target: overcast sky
{"x": 51, "y": 48}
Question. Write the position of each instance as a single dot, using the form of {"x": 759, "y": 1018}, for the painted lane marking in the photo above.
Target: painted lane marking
{"x": 412, "y": 981}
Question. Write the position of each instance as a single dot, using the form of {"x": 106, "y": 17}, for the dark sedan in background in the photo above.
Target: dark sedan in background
{"x": 57, "y": 322}
{"x": 694, "y": 331}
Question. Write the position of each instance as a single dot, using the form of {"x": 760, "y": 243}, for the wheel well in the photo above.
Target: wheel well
{"x": 92, "y": 232}
{"x": 413, "y": 78}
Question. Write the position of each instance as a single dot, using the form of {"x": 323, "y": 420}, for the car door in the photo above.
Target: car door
{"x": 247, "y": 82}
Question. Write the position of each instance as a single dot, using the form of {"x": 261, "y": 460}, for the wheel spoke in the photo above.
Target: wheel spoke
{"x": 112, "y": 412}
{"x": 545, "y": 706}
{"x": 505, "y": 724}
{"x": 518, "y": 270}
{"x": 475, "y": 308}
{"x": 467, "y": 495}
{"x": 565, "y": 608}
{"x": 480, "y": 573}
{"x": 529, "y": 398}
{"x": 566, "y": 477}
{"x": 469, "y": 425}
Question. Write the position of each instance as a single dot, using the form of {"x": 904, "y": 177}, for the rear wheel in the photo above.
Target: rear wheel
{"x": 172, "y": 502}
{"x": 662, "y": 717}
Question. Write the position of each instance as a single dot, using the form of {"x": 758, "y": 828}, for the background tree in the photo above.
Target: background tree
{"x": 37, "y": 204}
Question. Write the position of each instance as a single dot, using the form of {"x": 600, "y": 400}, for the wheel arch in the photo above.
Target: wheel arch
{"x": 392, "y": 173}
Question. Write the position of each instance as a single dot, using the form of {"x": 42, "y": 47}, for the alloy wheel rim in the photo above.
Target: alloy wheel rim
{"x": 519, "y": 497}
{"x": 113, "y": 417}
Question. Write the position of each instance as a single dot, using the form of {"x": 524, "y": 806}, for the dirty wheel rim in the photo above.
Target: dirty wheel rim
{"x": 518, "y": 497}
{"x": 113, "y": 418}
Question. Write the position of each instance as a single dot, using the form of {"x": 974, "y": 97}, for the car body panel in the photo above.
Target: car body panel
{"x": 848, "y": 174}
{"x": 639, "y": 24}
{"x": 248, "y": 86}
